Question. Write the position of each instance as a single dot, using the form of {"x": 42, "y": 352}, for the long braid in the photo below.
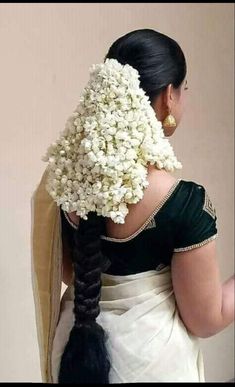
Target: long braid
{"x": 85, "y": 358}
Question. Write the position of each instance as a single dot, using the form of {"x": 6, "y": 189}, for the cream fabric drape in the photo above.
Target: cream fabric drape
{"x": 46, "y": 269}
{"x": 147, "y": 340}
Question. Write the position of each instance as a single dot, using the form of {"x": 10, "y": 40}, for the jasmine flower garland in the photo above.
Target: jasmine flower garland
{"x": 99, "y": 162}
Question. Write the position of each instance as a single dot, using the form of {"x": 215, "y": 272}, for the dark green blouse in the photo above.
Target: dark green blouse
{"x": 185, "y": 219}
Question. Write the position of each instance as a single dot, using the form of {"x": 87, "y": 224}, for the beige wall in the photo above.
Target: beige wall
{"x": 46, "y": 50}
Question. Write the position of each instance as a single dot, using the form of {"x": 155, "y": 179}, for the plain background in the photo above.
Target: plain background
{"x": 46, "y": 51}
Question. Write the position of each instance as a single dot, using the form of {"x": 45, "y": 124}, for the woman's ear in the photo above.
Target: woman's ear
{"x": 164, "y": 102}
{"x": 168, "y": 97}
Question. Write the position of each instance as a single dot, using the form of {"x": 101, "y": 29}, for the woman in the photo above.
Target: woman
{"x": 139, "y": 293}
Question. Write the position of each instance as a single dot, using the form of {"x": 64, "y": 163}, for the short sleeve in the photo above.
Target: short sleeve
{"x": 197, "y": 221}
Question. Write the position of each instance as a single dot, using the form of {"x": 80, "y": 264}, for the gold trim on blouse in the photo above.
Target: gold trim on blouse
{"x": 208, "y": 206}
{"x": 196, "y": 244}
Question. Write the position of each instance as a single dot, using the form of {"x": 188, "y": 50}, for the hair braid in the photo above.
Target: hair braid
{"x": 85, "y": 358}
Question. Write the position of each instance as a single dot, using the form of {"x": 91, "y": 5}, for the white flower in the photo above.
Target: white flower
{"x": 130, "y": 154}
{"x": 99, "y": 163}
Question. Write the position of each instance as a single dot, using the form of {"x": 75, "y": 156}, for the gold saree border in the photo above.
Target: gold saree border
{"x": 46, "y": 270}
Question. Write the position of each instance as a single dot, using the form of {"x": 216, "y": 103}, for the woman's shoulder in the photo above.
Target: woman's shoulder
{"x": 163, "y": 189}
{"x": 161, "y": 185}
{"x": 192, "y": 189}
{"x": 193, "y": 199}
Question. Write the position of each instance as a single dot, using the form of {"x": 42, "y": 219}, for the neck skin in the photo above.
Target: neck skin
{"x": 152, "y": 169}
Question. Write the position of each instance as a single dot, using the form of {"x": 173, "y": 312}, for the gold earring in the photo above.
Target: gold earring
{"x": 169, "y": 121}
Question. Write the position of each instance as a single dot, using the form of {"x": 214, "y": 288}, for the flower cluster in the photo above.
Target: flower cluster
{"x": 99, "y": 163}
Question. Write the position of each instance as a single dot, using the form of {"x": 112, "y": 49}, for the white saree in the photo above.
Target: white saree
{"x": 147, "y": 340}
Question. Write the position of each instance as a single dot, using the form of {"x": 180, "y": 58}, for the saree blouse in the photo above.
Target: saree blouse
{"x": 184, "y": 219}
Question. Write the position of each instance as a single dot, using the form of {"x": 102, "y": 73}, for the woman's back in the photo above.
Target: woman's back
{"x": 173, "y": 225}
{"x": 174, "y": 218}
{"x": 155, "y": 227}
{"x": 160, "y": 183}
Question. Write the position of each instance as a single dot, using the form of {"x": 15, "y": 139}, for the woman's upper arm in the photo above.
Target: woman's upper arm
{"x": 198, "y": 289}
{"x": 195, "y": 271}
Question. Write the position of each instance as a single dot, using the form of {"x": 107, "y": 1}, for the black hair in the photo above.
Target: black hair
{"x": 159, "y": 61}
{"x": 157, "y": 57}
{"x": 85, "y": 358}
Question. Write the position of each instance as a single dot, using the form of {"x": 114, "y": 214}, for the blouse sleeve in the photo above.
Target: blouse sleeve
{"x": 197, "y": 225}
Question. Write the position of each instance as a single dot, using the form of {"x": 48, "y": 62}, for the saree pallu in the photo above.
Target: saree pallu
{"x": 46, "y": 270}
{"x": 147, "y": 340}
